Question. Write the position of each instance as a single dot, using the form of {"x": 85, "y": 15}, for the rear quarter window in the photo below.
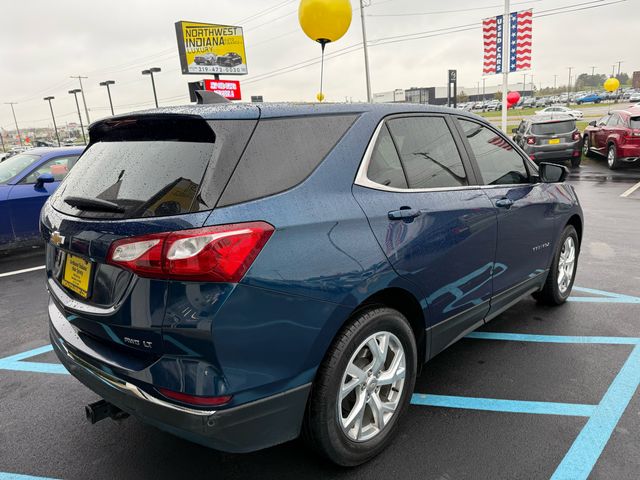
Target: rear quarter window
{"x": 282, "y": 153}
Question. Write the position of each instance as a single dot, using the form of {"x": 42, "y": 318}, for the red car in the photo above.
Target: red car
{"x": 616, "y": 135}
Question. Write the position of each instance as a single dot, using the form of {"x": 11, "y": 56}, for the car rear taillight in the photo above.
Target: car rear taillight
{"x": 531, "y": 140}
{"x": 576, "y": 136}
{"x": 213, "y": 254}
{"x": 195, "y": 399}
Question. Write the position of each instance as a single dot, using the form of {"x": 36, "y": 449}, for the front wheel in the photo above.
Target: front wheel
{"x": 362, "y": 387}
{"x": 560, "y": 279}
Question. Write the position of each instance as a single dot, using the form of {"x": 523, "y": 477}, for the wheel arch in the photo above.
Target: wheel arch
{"x": 576, "y": 222}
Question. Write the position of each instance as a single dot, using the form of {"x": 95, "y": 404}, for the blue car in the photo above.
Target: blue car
{"x": 589, "y": 98}
{"x": 240, "y": 274}
{"x": 26, "y": 181}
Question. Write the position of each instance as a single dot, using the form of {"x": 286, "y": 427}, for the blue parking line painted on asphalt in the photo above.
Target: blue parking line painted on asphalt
{"x": 28, "y": 354}
{"x": 500, "y": 405}
{"x": 17, "y": 476}
{"x": 17, "y": 363}
{"x": 603, "y": 296}
{"x": 527, "y": 337}
{"x": 587, "y": 448}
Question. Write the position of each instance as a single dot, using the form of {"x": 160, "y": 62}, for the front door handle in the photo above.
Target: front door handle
{"x": 404, "y": 214}
{"x": 504, "y": 203}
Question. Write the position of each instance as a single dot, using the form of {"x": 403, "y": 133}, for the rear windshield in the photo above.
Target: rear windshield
{"x": 12, "y": 166}
{"x": 554, "y": 128}
{"x": 634, "y": 122}
{"x": 144, "y": 178}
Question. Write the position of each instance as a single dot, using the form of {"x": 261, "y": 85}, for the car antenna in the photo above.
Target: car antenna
{"x": 205, "y": 97}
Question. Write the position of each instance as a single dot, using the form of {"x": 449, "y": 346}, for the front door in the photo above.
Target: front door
{"x": 525, "y": 212}
{"x": 435, "y": 227}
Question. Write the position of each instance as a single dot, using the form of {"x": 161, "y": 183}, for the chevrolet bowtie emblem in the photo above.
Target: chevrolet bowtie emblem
{"x": 57, "y": 239}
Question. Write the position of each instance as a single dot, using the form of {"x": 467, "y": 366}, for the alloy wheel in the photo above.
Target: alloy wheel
{"x": 611, "y": 157}
{"x": 585, "y": 146}
{"x": 371, "y": 386}
{"x": 566, "y": 264}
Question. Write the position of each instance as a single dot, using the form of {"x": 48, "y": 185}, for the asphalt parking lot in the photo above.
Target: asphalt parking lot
{"x": 536, "y": 393}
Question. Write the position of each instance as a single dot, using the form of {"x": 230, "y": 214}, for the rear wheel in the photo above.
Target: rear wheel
{"x": 612, "y": 157}
{"x": 362, "y": 388}
{"x": 559, "y": 283}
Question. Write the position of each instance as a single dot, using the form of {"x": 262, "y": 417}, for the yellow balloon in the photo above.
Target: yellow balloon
{"x": 611, "y": 84}
{"x": 325, "y": 20}
{"x": 320, "y": 97}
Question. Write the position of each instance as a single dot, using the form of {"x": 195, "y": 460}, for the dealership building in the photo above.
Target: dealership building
{"x": 438, "y": 95}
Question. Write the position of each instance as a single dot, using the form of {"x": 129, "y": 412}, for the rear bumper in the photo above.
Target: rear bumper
{"x": 564, "y": 153}
{"x": 249, "y": 427}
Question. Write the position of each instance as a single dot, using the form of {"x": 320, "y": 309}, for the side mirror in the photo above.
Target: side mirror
{"x": 514, "y": 130}
{"x": 593, "y": 123}
{"x": 552, "y": 173}
{"x": 44, "y": 178}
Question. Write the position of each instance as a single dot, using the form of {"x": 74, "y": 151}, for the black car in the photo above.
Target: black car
{"x": 550, "y": 137}
{"x": 230, "y": 60}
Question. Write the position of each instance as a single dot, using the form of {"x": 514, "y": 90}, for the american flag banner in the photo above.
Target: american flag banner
{"x": 492, "y": 33}
{"x": 520, "y": 41}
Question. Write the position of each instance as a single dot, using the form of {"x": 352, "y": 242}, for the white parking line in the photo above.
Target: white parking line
{"x": 631, "y": 190}
{"x": 25, "y": 270}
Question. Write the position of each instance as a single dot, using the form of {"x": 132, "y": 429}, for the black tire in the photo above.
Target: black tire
{"x": 321, "y": 425}
{"x": 550, "y": 293}
{"x": 586, "y": 147}
{"x": 612, "y": 163}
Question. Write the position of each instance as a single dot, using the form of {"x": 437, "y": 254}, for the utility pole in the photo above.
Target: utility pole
{"x": 106, "y": 83}
{"x": 569, "y": 85}
{"x": 619, "y": 63}
{"x": 84, "y": 100}
{"x": 524, "y": 83}
{"x": 2, "y": 141}
{"x": 55, "y": 127}
{"x": 555, "y": 82}
{"x": 483, "y": 89}
{"x": 366, "y": 48}
{"x": 14, "y": 120}
{"x": 593, "y": 69}
{"x": 532, "y": 85}
{"x": 151, "y": 71}
{"x": 75, "y": 94}
{"x": 613, "y": 70}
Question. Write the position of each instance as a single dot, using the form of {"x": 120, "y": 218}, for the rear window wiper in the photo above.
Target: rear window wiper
{"x": 93, "y": 204}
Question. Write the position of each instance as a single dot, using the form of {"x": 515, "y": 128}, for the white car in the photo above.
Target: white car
{"x": 557, "y": 110}
{"x": 634, "y": 97}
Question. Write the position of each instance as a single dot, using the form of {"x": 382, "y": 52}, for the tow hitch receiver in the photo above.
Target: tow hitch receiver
{"x": 102, "y": 409}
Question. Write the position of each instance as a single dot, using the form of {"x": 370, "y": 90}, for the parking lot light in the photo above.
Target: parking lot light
{"x": 75, "y": 92}
{"x": 151, "y": 71}
{"x": 55, "y": 127}
{"x": 106, "y": 83}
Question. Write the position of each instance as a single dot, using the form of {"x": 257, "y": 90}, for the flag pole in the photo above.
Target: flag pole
{"x": 506, "y": 31}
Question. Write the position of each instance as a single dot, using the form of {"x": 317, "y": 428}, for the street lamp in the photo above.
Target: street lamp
{"x": 15, "y": 120}
{"x": 151, "y": 71}
{"x": 106, "y": 83}
{"x": 75, "y": 93}
{"x": 55, "y": 127}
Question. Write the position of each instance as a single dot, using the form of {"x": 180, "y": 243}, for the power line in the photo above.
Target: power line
{"x": 486, "y": 7}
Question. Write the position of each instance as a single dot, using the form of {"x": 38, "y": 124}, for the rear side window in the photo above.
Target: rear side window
{"x": 499, "y": 164}
{"x": 282, "y": 153}
{"x": 428, "y": 152}
{"x": 634, "y": 122}
{"x": 553, "y": 128}
{"x": 384, "y": 166}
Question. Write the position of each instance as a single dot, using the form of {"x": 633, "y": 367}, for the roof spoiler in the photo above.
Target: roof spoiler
{"x": 207, "y": 97}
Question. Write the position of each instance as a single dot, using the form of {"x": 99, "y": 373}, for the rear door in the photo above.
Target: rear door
{"x": 432, "y": 220}
{"x": 525, "y": 212}
{"x": 28, "y": 197}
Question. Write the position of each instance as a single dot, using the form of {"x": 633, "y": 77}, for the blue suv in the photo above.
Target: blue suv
{"x": 238, "y": 275}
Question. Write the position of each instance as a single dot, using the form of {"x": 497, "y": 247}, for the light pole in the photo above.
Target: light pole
{"x": 55, "y": 127}
{"x": 14, "y": 120}
{"x": 366, "y": 49}
{"x": 106, "y": 83}
{"x": 569, "y": 85}
{"x": 84, "y": 100}
{"x": 619, "y": 63}
{"x": 555, "y": 82}
{"x": 593, "y": 70}
{"x": 75, "y": 94}
{"x": 151, "y": 71}
{"x": 524, "y": 83}
{"x": 2, "y": 140}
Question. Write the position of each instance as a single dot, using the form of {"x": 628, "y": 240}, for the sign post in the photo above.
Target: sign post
{"x": 505, "y": 67}
{"x": 452, "y": 89}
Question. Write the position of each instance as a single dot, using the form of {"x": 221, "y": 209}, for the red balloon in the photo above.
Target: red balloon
{"x": 513, "y": 97}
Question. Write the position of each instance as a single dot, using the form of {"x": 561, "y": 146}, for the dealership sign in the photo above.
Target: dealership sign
{"x": 229, "y": 89}
{"x": 210, "y": 48}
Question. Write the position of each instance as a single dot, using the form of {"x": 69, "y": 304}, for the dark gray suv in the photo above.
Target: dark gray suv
{"x": 550, "y": 138}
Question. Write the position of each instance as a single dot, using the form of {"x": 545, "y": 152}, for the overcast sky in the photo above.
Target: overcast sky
{"x": 42, "y": 44}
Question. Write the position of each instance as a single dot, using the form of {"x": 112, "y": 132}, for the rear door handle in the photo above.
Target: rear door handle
{"x": 504, "y": 203}
{"x": 404, "y": 214}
